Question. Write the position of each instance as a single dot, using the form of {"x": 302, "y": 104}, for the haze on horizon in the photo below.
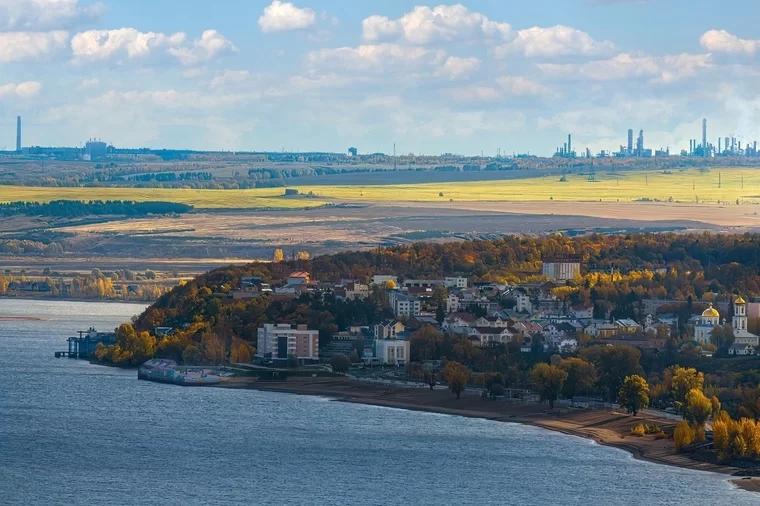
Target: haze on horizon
{"x": 325, "y": 75}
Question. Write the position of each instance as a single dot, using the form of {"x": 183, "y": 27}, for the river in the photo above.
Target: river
{"x": 76, "y": 433}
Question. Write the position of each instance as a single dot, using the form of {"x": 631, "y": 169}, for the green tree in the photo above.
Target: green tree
{"x": 425, "y": 343}
{"x": 456, "y": 376}
{"x": 548, "y": 380}
{"x": 617, "y": 363}
{"x": 634, "y": 394}
{"x": 581, "y": 376}
{"x": 340, "y": 363}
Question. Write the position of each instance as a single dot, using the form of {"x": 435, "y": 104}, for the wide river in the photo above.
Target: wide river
{"x": 76, "y": 433}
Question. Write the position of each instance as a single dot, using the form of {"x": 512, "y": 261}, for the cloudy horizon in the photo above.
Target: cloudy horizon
{"x": 432, "y": 77}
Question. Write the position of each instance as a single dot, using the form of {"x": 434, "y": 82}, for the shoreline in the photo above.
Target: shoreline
{"x": 603, "y": 427}
{"x": 76, "y": 299}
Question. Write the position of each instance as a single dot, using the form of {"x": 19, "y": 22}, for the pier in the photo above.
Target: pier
{"x": 83, "y": 346}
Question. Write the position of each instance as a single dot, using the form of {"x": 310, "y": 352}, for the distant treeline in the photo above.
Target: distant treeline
{"x": 76, "y": 208}
{"x": 173, "y": 176}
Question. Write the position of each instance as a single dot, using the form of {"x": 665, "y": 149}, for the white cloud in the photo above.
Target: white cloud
{"x": 424, "y": 25}
{"x": 725, "y": 42}
{"x": 457, "y": 68}
{"x": 131, "y": 43}
{"x": 46, "y": 14}
{"x": 556, "y": 40}
{"x": 87, "y": 84}
{"x": 20, "y": 46}
{"x": 104, "y": 44}
{"x": 375, "y": 57}
{"x": 505, "y": 87}
{"x": 28, "y": 89}
{"x": 209, "y": 46}
{"x": 521, "y": 86}
{"x": 284, "y": 16}
{"x": 664, "y": 69}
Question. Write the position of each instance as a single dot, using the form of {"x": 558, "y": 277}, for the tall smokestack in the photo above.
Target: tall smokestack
{"x": 704, "y": 137}
{"x": 569, "y": 144}
{"x": 18, "y": 134}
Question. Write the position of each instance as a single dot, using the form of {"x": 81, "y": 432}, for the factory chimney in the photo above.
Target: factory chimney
{"x": 18, "y": 134}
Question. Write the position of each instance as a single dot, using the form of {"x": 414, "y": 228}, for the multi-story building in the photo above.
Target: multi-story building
{"x": 278, "y": 341}
{"x": 356, "y": 290}
{"x": 562, "y": 268}
{"x": 392, "y": 351}
{"x": 403, "y": 304}
{"x": 455, "y": 282}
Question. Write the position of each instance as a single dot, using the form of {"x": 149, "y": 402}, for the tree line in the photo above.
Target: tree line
{"x": 78, "y": 208}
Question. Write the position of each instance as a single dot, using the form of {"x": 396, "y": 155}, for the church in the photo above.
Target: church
{"x": 745, "y": 342}
{"x": 703, "y": 329}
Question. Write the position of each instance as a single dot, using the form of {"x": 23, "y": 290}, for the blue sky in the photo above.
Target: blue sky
{"x": 325, "y": 75}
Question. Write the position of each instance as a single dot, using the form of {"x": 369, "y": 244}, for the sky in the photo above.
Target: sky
{"x": 308, "y": 75}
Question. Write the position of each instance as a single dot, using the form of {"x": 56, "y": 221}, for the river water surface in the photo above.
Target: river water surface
{"x": 76, "y": 433}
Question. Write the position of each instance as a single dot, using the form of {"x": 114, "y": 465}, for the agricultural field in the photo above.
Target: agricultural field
{"x": 718, "y": 185}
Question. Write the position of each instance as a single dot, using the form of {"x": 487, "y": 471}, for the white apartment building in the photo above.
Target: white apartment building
{"x": 455, "y": 282}
{"x": 403, "y": 304}
{"x": 392, "y": 351}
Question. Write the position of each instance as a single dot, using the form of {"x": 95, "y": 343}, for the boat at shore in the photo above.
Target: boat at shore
{"x": 167, "y": 371}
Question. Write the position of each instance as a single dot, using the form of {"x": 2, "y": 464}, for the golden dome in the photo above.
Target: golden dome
{"x": 711, "y": 312}
{"x": 739, "y": 301}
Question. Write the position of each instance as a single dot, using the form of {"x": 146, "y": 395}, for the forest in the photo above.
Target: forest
{"x": 77, "y": 208}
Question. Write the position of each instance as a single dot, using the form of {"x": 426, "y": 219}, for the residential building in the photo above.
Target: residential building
{"x": 601, "y": 330}
{"x": 382, "y": 279}
{"x": 741, "y": 349}
{"x": 524, "y": 305}
{"x": 403, "y": 304}
{"x": 492, "y": 321}
{"x": 627, "y": 326}
{"x": 455, "y": 282}
{"x": 299, "y": 278}
{"x": 562, "y": 268}
{"x": 422, "y": 283}
{"x": 492, "y": 335}
{"x": 392, "y": 351}
{"x": 278, "y": 341}
{"x": 582, "y": 311}
{"x": 389, "y": 329}
{"x": 452, "y": 303}
{"x": 356, "y": 290}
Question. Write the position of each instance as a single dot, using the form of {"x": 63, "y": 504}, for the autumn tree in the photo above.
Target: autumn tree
{"x": 213, "y": 348}
{"x": 683, "y": 381}
{"x": 548, "y": 381}
{"x": 698, "y": 410}
{"x": 634, "y": 394}
{"x": 192, "y": 355}
{"x": 456, "y": 376}
{"x": 683, "y": 435}
{"x": 340, "y": 363}
{"x": 278, "y": 256}
{"x": 581, "y": 376}
{"x": 425, "y": 343}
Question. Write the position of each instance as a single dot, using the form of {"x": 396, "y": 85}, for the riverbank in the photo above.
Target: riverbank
{"x": 604, "y": 427}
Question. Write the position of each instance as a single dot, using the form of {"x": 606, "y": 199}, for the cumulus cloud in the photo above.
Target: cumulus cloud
{"x": 458, "y": 68}
{"x": 211, "y": 45}
{"x": 20, "y": 46}
{"x": 721, "y": 41}
{"x": 521, "y": 86}
{"x": 131, "y": 43}
{"x": 284, "y": 16}
{"x": 104, "y": 44}
{"x": 424, "y": 25}
{"x": 556, "y": 40}
{"x": 28, "y": 89}
{"x": 46, "y": 14}
{"x": 375, "y": 57}
{"x": 664, "y": 69}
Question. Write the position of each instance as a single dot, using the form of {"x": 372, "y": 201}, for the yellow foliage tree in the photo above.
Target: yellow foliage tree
{"x": 721, "y": 439}
{"x": 698, "y": 410}
{"x": 278, "y": 256}
{"x": 683, "y": 435}
{"x": 303, "y": 255}
{"x": 213, "y": 348}
{"x": 456, "y": 376}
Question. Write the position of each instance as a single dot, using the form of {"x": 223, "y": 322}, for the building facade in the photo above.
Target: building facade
{"x": 278, "y": 341}
{"x": 703, "y": 329}
{"x": 562, "y": 268}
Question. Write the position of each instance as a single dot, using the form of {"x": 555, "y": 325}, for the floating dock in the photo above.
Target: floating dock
{"x": 84, "y": 345}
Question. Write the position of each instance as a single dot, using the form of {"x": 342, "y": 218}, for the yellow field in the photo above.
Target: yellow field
{"x": 205, "y": 199}
{"x": 686, "y": 186}
{"x": 681, "y": 186}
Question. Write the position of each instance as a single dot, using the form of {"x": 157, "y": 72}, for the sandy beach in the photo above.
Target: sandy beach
{"x": 605, "y": 427}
